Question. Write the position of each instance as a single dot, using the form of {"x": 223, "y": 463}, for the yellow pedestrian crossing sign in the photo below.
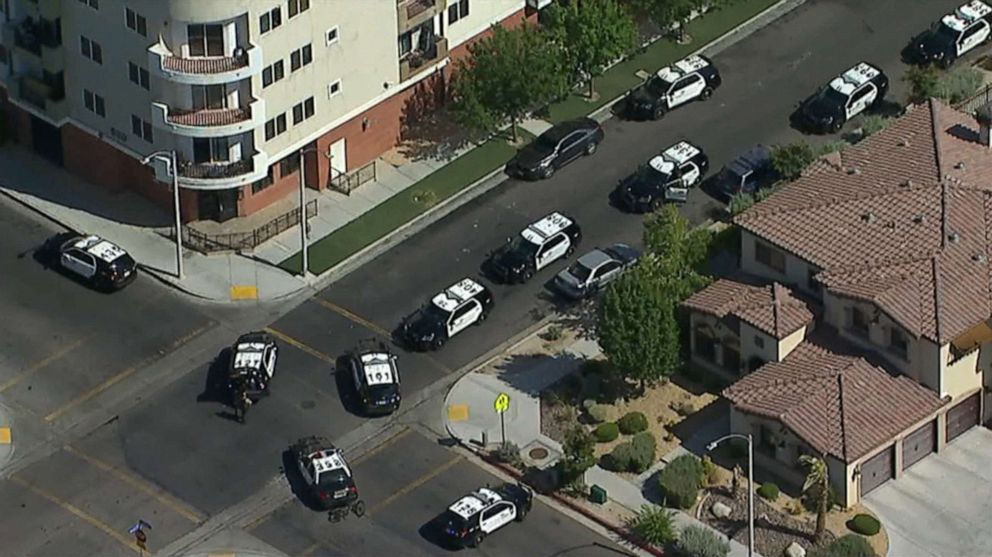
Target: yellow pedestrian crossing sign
{"x": 502, "y": 403}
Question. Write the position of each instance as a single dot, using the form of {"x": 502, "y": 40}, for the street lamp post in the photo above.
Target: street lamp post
{"x": 305, "y": 265}
{"x": 170, "y": 158}
{"x": 750, "y": 483}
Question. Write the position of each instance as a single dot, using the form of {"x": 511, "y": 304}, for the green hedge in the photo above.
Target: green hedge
{"x": 636, "y": 455}
{"x": 632, "y": 422}
{"x": 851, "y": 545}
{"x": 768, "y": 491}
{"x": 864, "y": 524}
{"x": 606, "y": 432}
{"x": 680, "y": 481}
{"x": 699, "y": 541}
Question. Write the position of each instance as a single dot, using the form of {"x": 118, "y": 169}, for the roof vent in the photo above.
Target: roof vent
{"x": 907, "y": 184}
{"x": 891, "y": 225}
{"x": 954, "y": 237}
{"x": 904, "y": 142}
{"x": 959, "y": 166}
{"x": 854, "y": 170}
{"x": 919, "y": 218}
{"x": 868, "y": 217}
{"x": 979, "y": 258}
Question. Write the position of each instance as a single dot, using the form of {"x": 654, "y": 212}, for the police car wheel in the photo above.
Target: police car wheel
{"x": 437, "y": 344}
{"x": 521, "y": 513}
{"x": 528, "y": 274}
{"x": 658, "y": 113}
{"x": 591, "y": 147}
{"x": 548, "y": 172}
{"x": 481, "y": 318}
{"x": 656, "y": 203}
{"x": 476, "y": 539}
{"x": 358, "y": 508}
{"x": 706, "y": 93}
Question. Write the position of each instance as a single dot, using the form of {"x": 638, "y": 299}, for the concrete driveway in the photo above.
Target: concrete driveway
{"x": 942, "y": 506}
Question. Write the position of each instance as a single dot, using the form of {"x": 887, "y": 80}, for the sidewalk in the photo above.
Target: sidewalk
{"x": 469, "y": 417}
{"x": 230, "y": 543}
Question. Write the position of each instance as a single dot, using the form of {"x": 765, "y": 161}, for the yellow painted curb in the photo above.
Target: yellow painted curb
{"x": 458, "y": 412}
{"x": 227, "y": 554}
{"x": 243, "y": 292}
{"x": 4, "y": 435}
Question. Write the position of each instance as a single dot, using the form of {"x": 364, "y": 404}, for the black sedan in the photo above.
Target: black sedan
{"x": 555, "y": 148}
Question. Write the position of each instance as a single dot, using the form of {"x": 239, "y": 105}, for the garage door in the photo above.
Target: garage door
{"x": 963, "y": 417}
{"x": 877, "y": 470}
{"x": 919, "y": 444}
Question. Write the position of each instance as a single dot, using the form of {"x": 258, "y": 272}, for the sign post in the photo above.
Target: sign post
{"x": 502, "y": 404}
{"x": 140, "y": 538}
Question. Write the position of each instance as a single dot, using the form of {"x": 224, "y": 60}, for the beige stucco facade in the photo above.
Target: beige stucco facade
{"x": 738, "y": 347}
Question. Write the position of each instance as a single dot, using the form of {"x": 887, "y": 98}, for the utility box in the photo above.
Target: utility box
{"x": 597, "y": 495}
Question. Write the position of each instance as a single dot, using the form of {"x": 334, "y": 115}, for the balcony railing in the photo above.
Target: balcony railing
{"x": 30, "y": 35}
{"x": 206, "y": 65}
{"x": 412, "y": 63}
{"x": 39, "y": 93}
{"x": 411, "y": 13}
{"x": 346, "y": 182}
{"x": 214, "y": 170}
{"x": 209, "y": 122}
{"x": 209, "y": 117}
{"x": 207, "y": 70}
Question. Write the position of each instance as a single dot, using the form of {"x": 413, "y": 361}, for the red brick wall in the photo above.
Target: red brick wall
{"x": 281, "y": 187}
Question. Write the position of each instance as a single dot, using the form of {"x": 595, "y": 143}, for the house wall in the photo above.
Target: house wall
{"x": 796, "y": 273}
{"x": 790, "y": 342}
{"x": 721, "y": 333}
{"x": 962, "y": 376}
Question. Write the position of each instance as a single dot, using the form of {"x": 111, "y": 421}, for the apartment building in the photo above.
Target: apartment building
{"x": 235, "y": 87}
{"x": 860, "y": 327}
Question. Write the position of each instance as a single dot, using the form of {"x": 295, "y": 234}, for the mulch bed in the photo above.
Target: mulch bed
{"x": 773, "y": 530}
{"x": 556, "y": 419}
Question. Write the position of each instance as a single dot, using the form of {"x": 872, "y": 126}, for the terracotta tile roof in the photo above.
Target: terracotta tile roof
{"x": 210, "y": 117}
{"x": 840, "y": 405}
{"x": 772, "y": 309}
{"x": 205, "y": 65}
{"x": 902, "y": 219}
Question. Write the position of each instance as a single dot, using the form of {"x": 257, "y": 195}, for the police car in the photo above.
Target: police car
{"x": 470, "y": 519}
{"x": 99, "y": 262}
{"x": 543, "y": 242}
{"x": 666, "y": 178}
{"x": 253, "y": 363}
{"x": 849, "y": 94}
{"x": 954, "y": 35}
{"x": 375, "y": 377}
{"x": 328, "y": 479}
{"x": 687, "y": 80}
{"x": 448, "y": 313}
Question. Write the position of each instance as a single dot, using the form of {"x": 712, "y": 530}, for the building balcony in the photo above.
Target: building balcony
{"x": 204, "y": 70}
{"x": 411, "y": 13}
{"x": 47, "y": 97}
{"x": 32, "y": 35}
{"x": 211, "y": 122}
{"x": 417, "y": 61}
{"x": 216, "y": 175}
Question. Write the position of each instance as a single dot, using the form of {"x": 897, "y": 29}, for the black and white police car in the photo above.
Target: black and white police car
{"x": 594, "y": 270}
{"x": 448, "y": 313}
{"x": 689, "y": 79}
{"x": 470, "y": 519}
{"x": 99, "y": 262}
{"x": 666, "y": 178}
{"x": 376, "y": 377}
{"x": 328, "y": 479}
{"x": 540, "y": 244}
{"x": 954, "y": 35}
{"x": 847, "y": 95}
{"x": 253, "y": 363}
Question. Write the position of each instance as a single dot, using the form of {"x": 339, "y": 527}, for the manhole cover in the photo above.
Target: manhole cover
{"x": 538, "y": 453}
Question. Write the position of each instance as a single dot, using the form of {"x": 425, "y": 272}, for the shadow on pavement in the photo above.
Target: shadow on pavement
{"x": 528, "y": 373}
{"x": 215, "y": 389}
{"x": 296, "y": 482}
{"x": 433, "y": 532}
{"x": 346, "y": 388}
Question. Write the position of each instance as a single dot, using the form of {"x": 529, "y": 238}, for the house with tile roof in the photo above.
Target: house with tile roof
{"x": 859, "y": 329}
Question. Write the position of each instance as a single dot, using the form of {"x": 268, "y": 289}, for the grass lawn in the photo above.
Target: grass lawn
{"x": 621, "y": 78}
{"x": 406, "y": 205}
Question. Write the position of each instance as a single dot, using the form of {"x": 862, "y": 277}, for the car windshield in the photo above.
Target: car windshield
{"x": 432, "y": 313}
{"x": 549, "y": 139}
{"x": 648, "y": 173}
{"x": 944, "y": 32}
{"x": 731, "y": 177}
{"x": 833, "y": 96}
{"x": 523, "y": 246}
{"x": 334, "y": 479}
{"x": 658, "y": 86}
{"x": 580, "y": 271}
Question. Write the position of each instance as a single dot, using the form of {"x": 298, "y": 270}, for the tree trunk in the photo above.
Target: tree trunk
{"x": 513, "y": 129}
{"x": 821, "y": 512}
{"x": 592, "y": 90}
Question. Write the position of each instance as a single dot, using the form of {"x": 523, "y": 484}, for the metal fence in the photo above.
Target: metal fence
{"x": 976, "y": 101}
{"x": 237, "y": 241}
{"x": 345, "y": 183}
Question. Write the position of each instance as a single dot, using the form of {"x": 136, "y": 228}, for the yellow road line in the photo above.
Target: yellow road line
{"x": 79, "y": 513}
{"x": 40, "y": 364}
{"x": 351, "y": 316}
{"x": 415, "y": 484}
{"x": 382, "y": 446}
{"x": 123, "y": 375}
{"x": 310, "y": 550}
{"x": 142, "y": 485}
{"x": 297, "y": 344}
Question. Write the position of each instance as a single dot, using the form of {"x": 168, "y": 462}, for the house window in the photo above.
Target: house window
{"x": 95, "y": 4}
{"x": 332, "y": 35}
{"x": 333, "y": 88}
{"x": 859, "y": 321}
{"x": 300, "y": 57}
{"x": 273, "y": 73}
{"x": 94, "y": 103}
{"x": 303, "y": 111}
{"x": 136, "y": 22}
{"x": 141, "y": 128}
{"x": 205, "y": 40}
{"x": 261, "y": 184}
{"x": 705, "y": 343}
{"x": 898, "y": 343}
{"x": 297, "y": 7}
{"x": 137, "y": 75}
{"x": 91, "y": 49}
{"x": 457, "y": 10}
{"x": 270, "y": 20}
{"x": 275, "y": 126}
{"x": 289, "y": 165}
{"x": 769, "y": 257}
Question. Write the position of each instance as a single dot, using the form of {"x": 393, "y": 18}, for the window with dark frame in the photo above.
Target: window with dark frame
{"x": 300, "y": 57}
{"x": 289, "y": 165}
{"x": 457, "y": 10}
{"x": 296, "y": 7}
{"x": 303, "y": 111}
{"x": 95, "y": 4}
{"x": 263, "y": 183}
{"x": 136, "y": 22}
{"x": 276, "y": 126}
{"x": 141, "y": 128}
{"x": 270, "y": 20}
{"x": 859, "y": 321}
{"x": 273, "y": 73}
{"x": 332, "y": 35}
{"x": 898, "y": 343}
{"x": 334, "y": 88}
{"x": 94, "y": 103}
{"x": 205, "y": 39}
{"x": 769, "y": 257}
{"x": 138, "y": 75}
{"x": 91, "y": 49}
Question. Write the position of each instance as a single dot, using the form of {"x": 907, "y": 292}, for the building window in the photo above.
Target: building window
{"x": 95, "y": 4}
{"x": 136, "y": 22}
{"x": 859, "y": 321}
{"x": 333, "y": 88}
{"x": 300, "y": 57}
{"x": 91, "y": 49}
{"x": 303, "y": 111}
{"x": 94, "y": 103}
{"x": 289, "y": 165}
{"x": 211, "y": 149}
{"x": 332, "y": 35}
{"x": 275, "y": 126}
{"x": 273, "y": 73}
{"x": 759, "y": 342}
{"x": 457, "y": 10}
{"x": 898, "y": 343}
{"x": 137, "y": 75}
{"x": 295, "y": 7}
{"x": 270, "y": 20}
{"x": 209, "y": 96}
{"x": 769, "y": 257}
{"x": 141, "y": 128}
{"x": 205, "y": 40}
{"x": 261, "y": 184}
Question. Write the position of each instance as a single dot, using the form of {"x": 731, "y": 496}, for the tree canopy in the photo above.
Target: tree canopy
{"x": 592, "y": 34}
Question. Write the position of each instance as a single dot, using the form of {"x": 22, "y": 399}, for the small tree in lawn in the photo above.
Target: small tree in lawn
{"x": 637, "y": 326}
{"x": 817, "y": 487}
{"x": 924, "y": 82}
{"x": 679, "y": 251}
{"x": 592, "y": 34}
{"x": 790, "y": 160}
{"x": 655, "y": 525}
{"x": 508, "y": 74}
{"x": 579, "y": 449}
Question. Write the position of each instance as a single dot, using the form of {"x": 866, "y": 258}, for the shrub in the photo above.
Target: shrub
{"x": 587, "y": 404}
{"x": 598, "y": 413}
{"x": 795, "y": 508}
{"x": 683, "y": 408}
{"x": 864, "y": 524}
{"x": 699, "y": 541}
{"x": 768, "y": 491}
{"x": 508, "y": 453}
{"x": 959, "y": 85}
{"x": 654, "y": 525}
{"x": 632, "y": 422}
{"x": 833, "y": 147}
{"x": 607, "y": 432}
{"x": 645, "y": 446}
{"x": 872, "y": 124}
{"x": 740, "y": 202}
{"x": 680, "y": 481}
{"x": 579, "y": 449}
{"x": 618, "y": 460}
{"x": 595, "y": 367}
{"x": 850, "y": 545}
{"x": 791, "y": 159}
{"x": 710, "y": 472}
{"x": 553, "y": 332}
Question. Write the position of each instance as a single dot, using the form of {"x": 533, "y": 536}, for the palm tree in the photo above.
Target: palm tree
{"x": 817, "y": 488}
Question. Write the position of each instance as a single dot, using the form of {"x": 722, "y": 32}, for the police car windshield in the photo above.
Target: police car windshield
{"x": 435, "y": 314}
{"x": 334, "y": 479}
{"x": 523, "y": 246}
{"x": 833, "y": 96}
{"x": 648, "y": 173}
{"x": 658, "y": 86}
{"x": 944, "y": 33}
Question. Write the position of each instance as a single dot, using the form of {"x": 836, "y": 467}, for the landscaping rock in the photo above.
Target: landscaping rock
{"x": 795, "y": 550}
{"x": 720, "y": 510}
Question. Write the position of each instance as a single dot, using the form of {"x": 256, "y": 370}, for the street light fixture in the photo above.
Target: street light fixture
{"x": 750, "y": 483}
{"x": 170, "y": 158}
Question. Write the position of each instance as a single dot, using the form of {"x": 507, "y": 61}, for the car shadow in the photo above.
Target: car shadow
{"x": 215, "y": 389}
{"x": 297, "y": 484}
{"x": 432, "y": 531}
{"x": 346, "y": 388}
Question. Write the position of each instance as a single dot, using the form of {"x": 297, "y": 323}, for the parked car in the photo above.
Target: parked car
{"x": 540, "y": 244}
{"x": 594, "y": 270}
{"x": 856, "y": 90}
{"x": 470, "y": 519}
{"x": 689, "y": 79}
{"x": 555, "y": 148}
{"x": 750, "y": 172}
{"x": 375, "y": 376}
{"x": 666, "y": 178}
{"x": 100, "y": 263}
{"x": 450, "y": 312}
{"x": 952, "y": 36}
